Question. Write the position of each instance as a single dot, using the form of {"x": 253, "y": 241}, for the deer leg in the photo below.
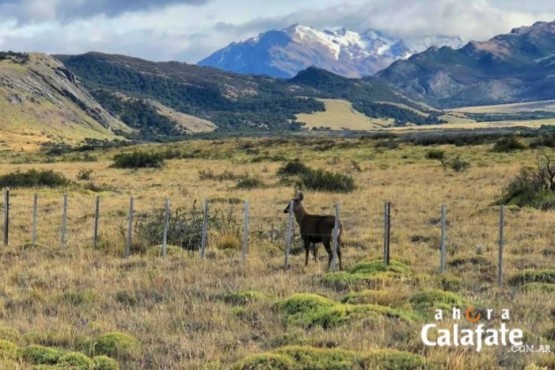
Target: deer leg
{"x": 328, "y": 249}
{"x": 315, "y": 252}
{"x": 306, "y": 251}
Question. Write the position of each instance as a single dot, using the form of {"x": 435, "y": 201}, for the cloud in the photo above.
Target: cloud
{"x": 29, "y": 11}
{"x": 189, "y": 30}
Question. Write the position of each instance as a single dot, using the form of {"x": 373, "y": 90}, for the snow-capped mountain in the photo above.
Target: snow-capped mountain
{"x": 283, "y": 53}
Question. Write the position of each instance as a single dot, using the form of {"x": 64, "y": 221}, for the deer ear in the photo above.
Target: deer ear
{"x": 301, "y": 196}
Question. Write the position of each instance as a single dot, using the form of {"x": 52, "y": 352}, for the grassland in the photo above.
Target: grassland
{"x": 218, "y": 314}
{"x": 545, "y": 105}
{"x": 340, "y": 115}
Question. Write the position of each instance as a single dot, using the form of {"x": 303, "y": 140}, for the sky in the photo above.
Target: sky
{"x": 189, "y": 30}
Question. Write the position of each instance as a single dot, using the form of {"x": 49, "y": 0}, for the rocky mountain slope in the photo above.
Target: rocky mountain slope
{"x": 284, "y": 53}
{"x": 42, "y": 101}
{"x": 514, "y": 67}
{"x": 127, "y": 87}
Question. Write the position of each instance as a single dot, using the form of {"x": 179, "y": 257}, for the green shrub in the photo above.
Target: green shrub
{"x": 242, "y": 297}
{"x": 435, "y": 154}
{"x": 507, "y": 144}
{"x": 311, "y": 358}
{"x": 367, "y": 275}
{"x": 546, "y": 140}
{"x": 40, "y": 355}
{"x": 386, "y": 359}
{"x": 184, "y": 229}
{"x": 292, "y": 168}
{"x": 138, "y": 159}
{"x": 532, "y": 187}
{"x": 75, "y": 361}
{"x": 247, "y": 182}
{"x": 428, "y": 300}
{"x": 309, "y": 310}
{"x": 84, "y": 174}
{"x": 533, "y": 276}
{"x": 459, "y": 165}
{"x": 104, "y": 363}
{"x": 320, "y": 180}
{"x": 33, "y": 178}
{"x": 267, "y": 361}
{"x": 118, "y": 345}
{"x": 8, "y": 350}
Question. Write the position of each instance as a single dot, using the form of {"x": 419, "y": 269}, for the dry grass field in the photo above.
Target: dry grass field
{"x": 181, "y": 312}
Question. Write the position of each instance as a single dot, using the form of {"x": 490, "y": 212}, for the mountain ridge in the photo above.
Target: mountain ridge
{"x": 283, "y": 53}
{"x": 514, "y": 67}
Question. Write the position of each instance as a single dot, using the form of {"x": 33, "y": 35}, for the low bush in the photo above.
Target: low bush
{"x": 33, "y": 178}
{"x": 248, "y": 182}
{"x": 75, "y": 361}
{"x": 184, "y": 228}
{"x": 138, "y": 159}
{"x": 533, "y": 187}
{"x": 84, "y": 174}
{"x": 320, "y": 180}
{"x": 40, "y": 355}
{"x": 311, "y": 358}
{"x": 507, "y": 144}
{"x": 104, "y": 363}
{"x": 435, "y": 154}
{"x": 292, "y": 168}
{"x": 428, "y": 300}
{"x": 118, "y": 345}
{"x": 533, "y": 276}
{"x": 459, "y": 165}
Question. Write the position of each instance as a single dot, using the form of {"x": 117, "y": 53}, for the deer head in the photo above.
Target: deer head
{"x": 297, "y": 199}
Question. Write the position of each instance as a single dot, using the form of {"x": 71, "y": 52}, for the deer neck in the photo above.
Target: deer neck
{"x": 300, "y": 214}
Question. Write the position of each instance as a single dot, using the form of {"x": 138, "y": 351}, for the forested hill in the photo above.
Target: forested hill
{"x": 231, "y": 101}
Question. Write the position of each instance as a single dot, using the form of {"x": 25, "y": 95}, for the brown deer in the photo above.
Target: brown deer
{"x": 315, "y": 229}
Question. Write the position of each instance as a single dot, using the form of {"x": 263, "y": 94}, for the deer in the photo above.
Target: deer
{"x": 315, "y": 229}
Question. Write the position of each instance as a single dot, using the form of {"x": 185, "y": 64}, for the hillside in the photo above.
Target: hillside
{"x": 514, "y": 67}
{"x": 230, "y": 101}
{"x": 41, "y": 101}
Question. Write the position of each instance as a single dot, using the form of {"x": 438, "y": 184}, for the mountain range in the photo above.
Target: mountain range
{"x": 284, "y": 53}
{"x": 95, "y": 95}
{"x": 514, "y": 67}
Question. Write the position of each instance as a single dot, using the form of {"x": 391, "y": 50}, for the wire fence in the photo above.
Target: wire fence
{"x": 441, "y": 237}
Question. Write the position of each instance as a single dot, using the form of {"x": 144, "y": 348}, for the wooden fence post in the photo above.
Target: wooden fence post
{"x": 63, "y": 238}
{"x": 443, "y": 238}
{"x": 35, "y": 219}
{"x": 289, "y": 235}
{"x": 6, "y": 216}
{"x": 387, "y": 233}
{"x": 204, "y": 239}
{"x": 129, "y": 230}
{"x": 245, "y": 233}
{"x": 501, "y": 243}
{"x": 166, "y": 227}
{"x": 96, "y": 217}
{"x": 335, "y": 239}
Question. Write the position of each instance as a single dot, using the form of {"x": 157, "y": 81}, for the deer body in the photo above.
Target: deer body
{"x": 316, "y": 229}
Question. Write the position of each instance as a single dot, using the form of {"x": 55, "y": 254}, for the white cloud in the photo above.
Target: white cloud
{"x": 174, "y": 29}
